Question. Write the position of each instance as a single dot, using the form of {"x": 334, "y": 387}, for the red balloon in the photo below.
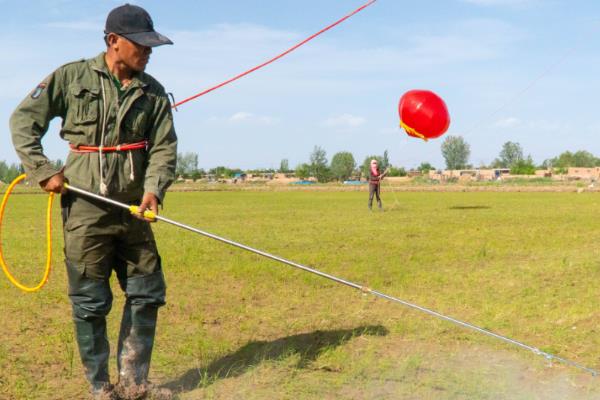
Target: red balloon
{"x": 423, "y": 114}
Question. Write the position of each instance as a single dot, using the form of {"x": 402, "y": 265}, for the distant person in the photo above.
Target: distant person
{"x": 375, "y": 178}
{"x": 118, "y": 122}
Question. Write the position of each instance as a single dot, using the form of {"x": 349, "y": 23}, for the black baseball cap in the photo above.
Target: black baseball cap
{"x": 134, "y": 23}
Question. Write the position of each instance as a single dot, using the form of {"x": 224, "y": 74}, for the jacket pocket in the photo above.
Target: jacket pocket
{"x": 85, "y": 104}
{"x": 135, "y": 122}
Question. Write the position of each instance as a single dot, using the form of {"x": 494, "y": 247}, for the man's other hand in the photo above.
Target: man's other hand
{"x": 149, "y": 202}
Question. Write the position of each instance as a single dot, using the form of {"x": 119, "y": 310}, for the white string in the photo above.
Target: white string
{"x": 131, "y": 173}
{"x": 103, "y": 187}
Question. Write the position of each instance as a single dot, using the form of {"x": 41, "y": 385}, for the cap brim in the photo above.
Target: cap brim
{"x": 148, "y": 39}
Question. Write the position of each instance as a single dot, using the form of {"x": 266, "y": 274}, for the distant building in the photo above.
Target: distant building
{"x": 583, "y": 173}
{"x": 470, "y": 174}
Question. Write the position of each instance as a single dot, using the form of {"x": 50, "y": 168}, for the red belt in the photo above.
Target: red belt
{"x": 109, "y": 149}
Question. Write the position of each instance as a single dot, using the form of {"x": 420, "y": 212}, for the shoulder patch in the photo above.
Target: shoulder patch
{"x": 38, "y": 90}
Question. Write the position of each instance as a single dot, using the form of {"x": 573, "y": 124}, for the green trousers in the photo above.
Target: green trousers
{"x": 100, "y": 239}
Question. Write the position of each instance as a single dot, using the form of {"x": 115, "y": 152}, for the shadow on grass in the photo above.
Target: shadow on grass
{"x": 469, "y": 207}
{"x": 307, "y": 345}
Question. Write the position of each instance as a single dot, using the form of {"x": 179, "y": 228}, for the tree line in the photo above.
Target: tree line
{"x": 343, "y": 166}
{"x": 456, "y": 152}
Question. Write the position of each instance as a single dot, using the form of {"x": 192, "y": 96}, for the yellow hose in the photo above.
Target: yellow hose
{"x": 11, "y": 278}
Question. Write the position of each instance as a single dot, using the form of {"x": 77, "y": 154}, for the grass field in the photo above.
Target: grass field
{"x": 236, "y": 326}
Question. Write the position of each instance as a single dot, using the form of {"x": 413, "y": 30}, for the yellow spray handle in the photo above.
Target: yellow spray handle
{"x": 149, "y": 214}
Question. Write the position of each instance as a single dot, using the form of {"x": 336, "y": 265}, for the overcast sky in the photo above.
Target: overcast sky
{"x": 518, "y": 70}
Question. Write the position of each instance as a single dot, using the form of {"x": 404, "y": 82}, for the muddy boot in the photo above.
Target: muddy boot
{"x": 144, "y": 391}
{"x": 136, "y": 340}
{"x": 103, "y": 392}
{"x": 145, "y": 295}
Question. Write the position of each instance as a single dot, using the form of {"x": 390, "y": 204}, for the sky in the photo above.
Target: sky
{"x": 509, "y": 70}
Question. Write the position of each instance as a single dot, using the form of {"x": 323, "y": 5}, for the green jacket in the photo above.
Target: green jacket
{"x": 83, "y": 95}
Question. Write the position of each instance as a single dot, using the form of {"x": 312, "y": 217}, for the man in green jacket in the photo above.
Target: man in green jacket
{"x": 118, "y": 122}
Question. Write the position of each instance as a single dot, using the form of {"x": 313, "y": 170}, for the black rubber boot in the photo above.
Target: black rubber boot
{"x": 94, "y": 351}
{"x": 91, "y": 300}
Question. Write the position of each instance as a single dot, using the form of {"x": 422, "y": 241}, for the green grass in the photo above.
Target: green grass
{"x": 237, "y": 326}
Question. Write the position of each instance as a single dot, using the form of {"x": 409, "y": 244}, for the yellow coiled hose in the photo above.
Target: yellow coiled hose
{"x": 10, "y": 276}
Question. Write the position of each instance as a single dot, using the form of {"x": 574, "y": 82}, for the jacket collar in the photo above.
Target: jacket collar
{"x": 98, "y": 64}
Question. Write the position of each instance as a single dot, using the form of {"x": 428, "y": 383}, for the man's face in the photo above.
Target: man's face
{"x": 133, "y": 55}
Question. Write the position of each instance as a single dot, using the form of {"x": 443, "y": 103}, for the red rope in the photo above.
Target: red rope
{"x": 235, "y": 78}
{"x": 109, "y": 149}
